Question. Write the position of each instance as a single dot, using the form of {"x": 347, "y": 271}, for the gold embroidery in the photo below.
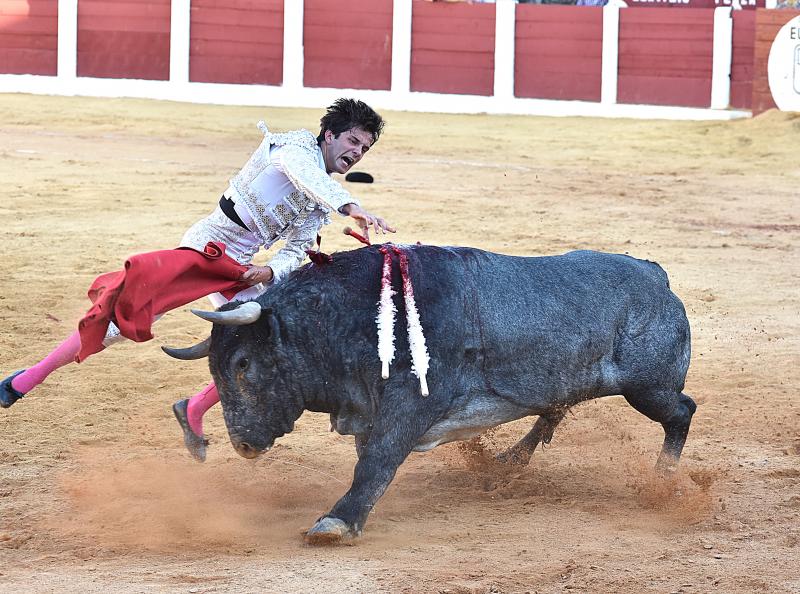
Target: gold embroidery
{"x": 283, "y": 214}
{"x": 298, "y": 201}
{"x": 291, "y": 211}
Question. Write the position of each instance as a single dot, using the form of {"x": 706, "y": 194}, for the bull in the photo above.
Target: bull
{"x": 509, "y": 337}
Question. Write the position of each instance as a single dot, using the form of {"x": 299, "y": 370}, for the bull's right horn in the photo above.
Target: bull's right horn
{"x": 191, "y": 353}
{"x": 245, "y": 313}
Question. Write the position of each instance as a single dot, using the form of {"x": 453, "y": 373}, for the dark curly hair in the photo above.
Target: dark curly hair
{"x": 345, "y": 114}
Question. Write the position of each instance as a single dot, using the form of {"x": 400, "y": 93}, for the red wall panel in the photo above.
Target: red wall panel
{"x": 665, "y": 56}
{"x": 237, "y": 41}
{"x": 348, "y": 45}
{"x": 29, "y": 37}
{"x": 452, "y": 47}
{"x": 127, "y": 39}
{"x": 745, "y": 4}
{"x": 744, "y": 34}
{"x": 558, "y": 52}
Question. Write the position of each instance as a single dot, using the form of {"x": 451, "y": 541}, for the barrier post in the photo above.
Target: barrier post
{"x": 293, "y": 58}
{"x": 401, "y": 46}
{"x": 610, "y": 60}
{"x": 721, "y": 58}
{"x": 179, "y": 40}
{"x": 504, "y": 30}
{"x": 67, "y": 61}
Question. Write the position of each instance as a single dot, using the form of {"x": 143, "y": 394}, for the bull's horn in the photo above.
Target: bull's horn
{"x": 246, "y": 313}
{"x": 191, "y": 353}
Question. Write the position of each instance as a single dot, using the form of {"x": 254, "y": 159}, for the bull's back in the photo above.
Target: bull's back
{"x": 528, "y": 329}
{"x": 535, "y": 296}
{"x": 550, "y": 327}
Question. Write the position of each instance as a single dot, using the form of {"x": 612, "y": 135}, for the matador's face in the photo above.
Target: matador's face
{"x": 345, "y": 149}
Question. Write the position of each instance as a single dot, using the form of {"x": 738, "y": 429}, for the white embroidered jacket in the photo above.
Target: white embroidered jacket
{"x": 282, "y": 192}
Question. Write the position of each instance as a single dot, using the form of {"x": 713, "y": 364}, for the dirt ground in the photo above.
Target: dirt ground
{"x": 97, "y": 493}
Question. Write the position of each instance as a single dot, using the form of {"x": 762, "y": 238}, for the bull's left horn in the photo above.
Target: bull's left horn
{"x": 191, "y": 353}
{"x": 245, "y": 313}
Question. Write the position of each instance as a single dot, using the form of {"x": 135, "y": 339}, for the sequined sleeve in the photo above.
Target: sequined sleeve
{"x": 302, "y": 169}
{"x": 299, "y": 239}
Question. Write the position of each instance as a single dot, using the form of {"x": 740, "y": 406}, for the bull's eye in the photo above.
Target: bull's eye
{"x": 243, "y": 363}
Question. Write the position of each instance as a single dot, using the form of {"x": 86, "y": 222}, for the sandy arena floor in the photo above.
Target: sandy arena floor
{"x": 97, "y": 493}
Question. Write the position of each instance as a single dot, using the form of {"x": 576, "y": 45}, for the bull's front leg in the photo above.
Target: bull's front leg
{"x": 390, "y": 442}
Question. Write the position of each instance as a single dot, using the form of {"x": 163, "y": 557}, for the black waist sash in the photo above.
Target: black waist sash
{"x": 227, "y": 206}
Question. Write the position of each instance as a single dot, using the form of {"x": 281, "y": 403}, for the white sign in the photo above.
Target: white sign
{"x": 783, "y": 68}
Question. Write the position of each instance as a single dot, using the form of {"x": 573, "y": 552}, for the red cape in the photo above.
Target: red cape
{"x": 151, "y": 284}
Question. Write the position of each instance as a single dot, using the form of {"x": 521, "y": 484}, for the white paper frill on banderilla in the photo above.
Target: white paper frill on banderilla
{"x": 386, "y": 319}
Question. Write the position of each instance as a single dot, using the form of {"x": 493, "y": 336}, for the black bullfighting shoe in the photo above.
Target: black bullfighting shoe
{"x": 8, "y": 395}
{"x": 196, "y": 444}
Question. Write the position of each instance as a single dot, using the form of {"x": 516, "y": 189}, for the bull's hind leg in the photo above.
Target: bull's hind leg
{"x": 674, "y": 412}
{"x": 520, "y": 453}
{"x": 675, "y": 432}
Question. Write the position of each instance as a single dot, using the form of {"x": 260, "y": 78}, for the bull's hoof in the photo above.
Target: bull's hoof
{"x": 328, "y": 531}
{"x": 666, "y": 466}
{"x": 513, "y": 457}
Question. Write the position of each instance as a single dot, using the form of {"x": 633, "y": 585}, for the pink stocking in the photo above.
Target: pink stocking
{"x": 61, "y": 355}
{"x": 199, "y": 404}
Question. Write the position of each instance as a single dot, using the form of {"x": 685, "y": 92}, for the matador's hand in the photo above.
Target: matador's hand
{"x": 258, "y": 274}
{"x": 365, "y": 219}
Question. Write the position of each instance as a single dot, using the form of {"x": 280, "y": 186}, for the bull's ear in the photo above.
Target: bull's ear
{"x": 268, "y": 315}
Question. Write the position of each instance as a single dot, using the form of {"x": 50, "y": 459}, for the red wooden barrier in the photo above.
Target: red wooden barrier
{"x": 236, "y": 41}
{"x": 29, "y": 37}
{"x": 665, "y": 56}
{"x": 124, "y": 39}
{"x": 452, "y": 48}
{"x": 558, "y": 52}
{"x": 348, "y": 45}
{"x": 745, "y": 4}
{"x": 744, "y": 29}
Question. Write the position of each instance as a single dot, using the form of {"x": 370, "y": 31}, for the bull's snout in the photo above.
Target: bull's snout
{"x": 245, "y": 450}
{"x": 248, "y": 449}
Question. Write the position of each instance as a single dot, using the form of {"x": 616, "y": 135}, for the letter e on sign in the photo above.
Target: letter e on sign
{"x": 783, "y": 67}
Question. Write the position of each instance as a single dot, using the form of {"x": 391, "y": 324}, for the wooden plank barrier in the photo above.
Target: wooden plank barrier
{"x": 691, "y": 4}
{"x": 29, "y": 37}
{"x": 665, "y": 56}
{"x": 558, "y": 52}
{"x": 350, "y": 48}
{"x": 236, "y": 41}
{"x": 124, "y": 39}
{"x": 452, "y": 47}
{"x": 744, "y": 27}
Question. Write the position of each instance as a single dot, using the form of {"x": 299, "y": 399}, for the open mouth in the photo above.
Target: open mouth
{"x": 347, "y": 161}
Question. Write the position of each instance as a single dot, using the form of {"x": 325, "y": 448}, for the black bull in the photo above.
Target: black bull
{"x": 508, "y": 337}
